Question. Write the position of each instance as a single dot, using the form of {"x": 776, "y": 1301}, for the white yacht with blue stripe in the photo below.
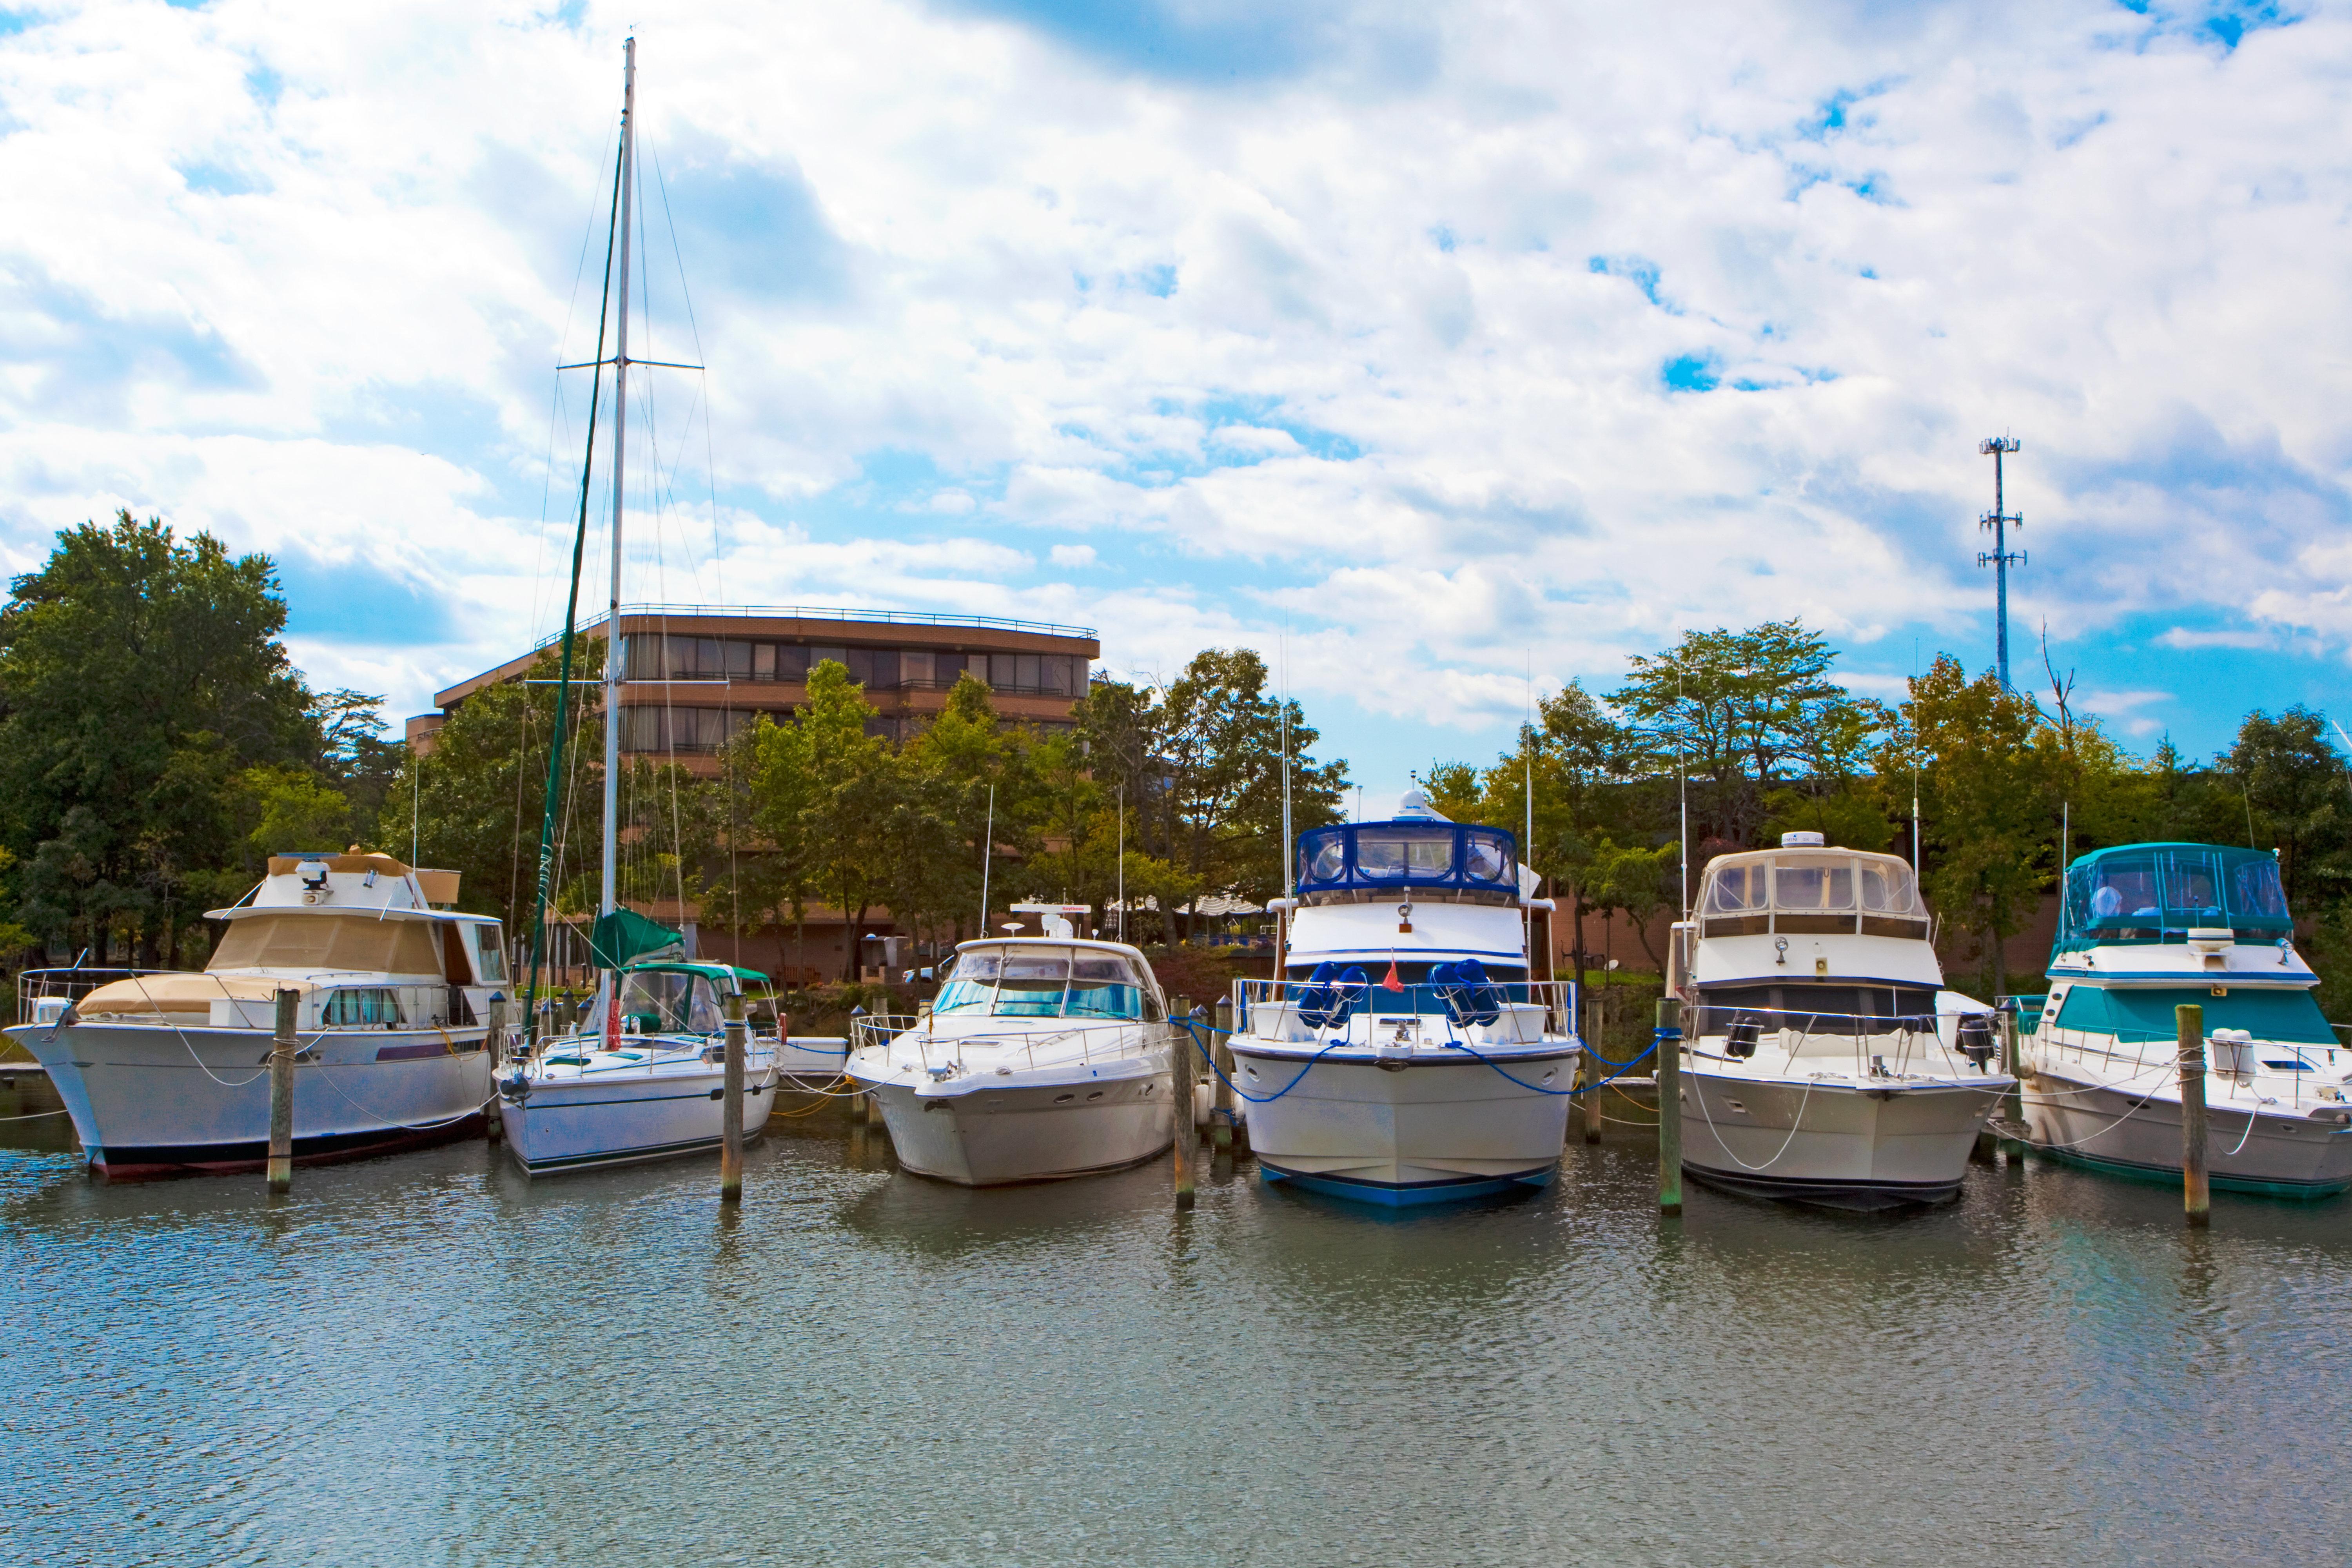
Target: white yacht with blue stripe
{"x": 1406, "y": 1056}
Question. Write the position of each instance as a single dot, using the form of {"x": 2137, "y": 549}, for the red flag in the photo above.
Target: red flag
{"x": 1392, "y": 982}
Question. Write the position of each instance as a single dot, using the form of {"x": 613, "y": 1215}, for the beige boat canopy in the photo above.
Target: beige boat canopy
{"x": 1812, "y": 890}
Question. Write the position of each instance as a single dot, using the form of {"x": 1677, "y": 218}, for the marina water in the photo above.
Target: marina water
{"x": 429, "y": 1359}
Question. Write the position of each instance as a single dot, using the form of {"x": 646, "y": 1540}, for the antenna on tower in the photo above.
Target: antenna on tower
{"x": 1999, "y": 558}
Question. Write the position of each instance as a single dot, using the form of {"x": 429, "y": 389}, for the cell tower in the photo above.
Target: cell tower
{"x": 1998, "y": 519}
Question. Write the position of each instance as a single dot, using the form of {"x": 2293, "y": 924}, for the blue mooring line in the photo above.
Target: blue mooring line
{"x": 1191, "y": 1027}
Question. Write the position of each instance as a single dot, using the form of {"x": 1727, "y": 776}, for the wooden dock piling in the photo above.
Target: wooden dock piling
{"x": 1221, "y": 1118}
{"x": 731, "y": 1120}
{"x": 2196, "y": 1193}
{"x": 1670, "y": 1105}
{"x": 281, "y": 1094}
{"x": 1188, "y": 1135}
{"x": 1589, "y": 1070}
{"x": 2013, "y": 1104}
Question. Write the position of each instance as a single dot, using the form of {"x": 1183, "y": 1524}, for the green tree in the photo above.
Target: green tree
{"x": 1746, "y": 714}
{"x": 2292, "y": 781}
{"x": 141, "y": 674}
{"x": 1988, "y": 799}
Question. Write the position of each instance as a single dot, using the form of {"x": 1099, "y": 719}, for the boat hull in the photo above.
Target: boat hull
{"x": 149, "y": 1100}
{"x": 2128, "y": 1133}
{"x": 1838, "y": 1145}
{"x": 982, "y": 1133}
{"x": 1436, "y": 1132}
{"x": 626, "y": 1118}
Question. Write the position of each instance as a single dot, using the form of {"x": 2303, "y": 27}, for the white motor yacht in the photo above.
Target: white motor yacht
{"x": 1818, "y": 1064}
{"x": 1041, "y": 1057}
{"x": 1406, "y": 1057}
{"x": 645, "y": 1079}
{"x": 2146, "y": 928}
{"x": 169, "y": 1073}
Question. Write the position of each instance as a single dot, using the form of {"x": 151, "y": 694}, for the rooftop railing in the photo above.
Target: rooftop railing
{"x": 830, "y": 612}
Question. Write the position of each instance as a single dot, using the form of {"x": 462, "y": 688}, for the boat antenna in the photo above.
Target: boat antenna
{"x": 987, "y": 850}
{"x": 2065, "y": 835}
{"x": 571, "y": 623}
{"x": 1527, "y": 840}
{"x": 1122, "y": 859}
{"x": 1288, "y": 886}
{"x": 607, "y": 900}
{"x": 1682, "y": 780}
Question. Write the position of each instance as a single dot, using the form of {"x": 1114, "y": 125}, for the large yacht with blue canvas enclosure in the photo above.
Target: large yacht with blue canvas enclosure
{"x": 1407, "y": 1055}
{"x": 2144, "y": 929}
{"x": 1826, "y": 1063}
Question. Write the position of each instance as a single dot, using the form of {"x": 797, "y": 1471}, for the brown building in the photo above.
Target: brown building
{"x": 695, "y": 675}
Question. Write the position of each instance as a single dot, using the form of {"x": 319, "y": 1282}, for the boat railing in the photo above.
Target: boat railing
{"x": 1271, "y": 1002}
{"x": 73, "y": 983}
{"x": 1879, "y": 1044}
{"x": 1071, "y": 1044}
{"x": 2154, "y": 1057}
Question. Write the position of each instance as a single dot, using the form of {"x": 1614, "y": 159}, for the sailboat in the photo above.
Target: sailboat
{"x": 642, "y": 1077}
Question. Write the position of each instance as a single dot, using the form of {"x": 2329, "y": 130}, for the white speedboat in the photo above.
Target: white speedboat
{"x": 1041, "y": 1057}
{"x": 169, "y": 1073}
{"x": 2146, "y": 928}
{"x": 1818, "y": 1064}
{"x": 1406, "y": 1057}
{"x": 645, "y": 1081}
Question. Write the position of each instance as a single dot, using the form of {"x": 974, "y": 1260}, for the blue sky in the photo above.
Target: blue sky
{"x": 1432, "y": 344}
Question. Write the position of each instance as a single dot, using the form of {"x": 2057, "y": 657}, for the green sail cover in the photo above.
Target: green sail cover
{"x": 623, "y": 936}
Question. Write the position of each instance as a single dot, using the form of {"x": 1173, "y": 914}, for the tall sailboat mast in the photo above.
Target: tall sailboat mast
{"x": 609, "y": 899}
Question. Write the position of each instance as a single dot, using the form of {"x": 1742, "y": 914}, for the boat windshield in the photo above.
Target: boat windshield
{"x": 1044, "y": 983}
{"x": 670, "y": 1002}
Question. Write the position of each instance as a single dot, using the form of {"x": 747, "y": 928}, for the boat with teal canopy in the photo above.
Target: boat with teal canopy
{"x": 2146, "y": 929}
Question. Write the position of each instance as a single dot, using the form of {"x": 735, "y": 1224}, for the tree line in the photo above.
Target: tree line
{"x": 1752, "y": 729}
{"x": 157, "y": 744}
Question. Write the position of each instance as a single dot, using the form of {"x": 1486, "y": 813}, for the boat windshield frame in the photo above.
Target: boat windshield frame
{"x": 1020, "y": 981}
{"x": 2144, "y": 894}
{"x": 1391, "y": 856}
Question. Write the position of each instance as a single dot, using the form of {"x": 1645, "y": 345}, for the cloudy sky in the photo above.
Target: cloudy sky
{"x": 1461, "y": 339}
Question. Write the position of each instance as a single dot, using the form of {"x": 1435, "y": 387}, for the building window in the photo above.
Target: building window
{"x": 763, "y": 661}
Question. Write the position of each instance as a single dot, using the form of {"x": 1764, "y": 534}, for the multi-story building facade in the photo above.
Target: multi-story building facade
{"x": 695, "y": 676}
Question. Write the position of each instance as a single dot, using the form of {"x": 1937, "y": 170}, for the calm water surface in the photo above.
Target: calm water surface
{"x": 428, "y": 1360}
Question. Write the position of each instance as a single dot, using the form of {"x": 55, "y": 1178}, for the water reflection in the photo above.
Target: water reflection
{"x": 432, "y": 1358}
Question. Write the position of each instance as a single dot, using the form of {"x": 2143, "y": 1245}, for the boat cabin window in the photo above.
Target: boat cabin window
{"x": 1887, "y": 889}
{"x": 1039, "y": 983}
{"x": 489, "y": 952}
{"x": 1813, "y": 882}
{"x": 1401, "y": 852}
{"x": 361, "y": 1008}
{"x": 670, "y": 1002}
{"x": 1733, "y": 889}
{"x": 1817, "y": 1009}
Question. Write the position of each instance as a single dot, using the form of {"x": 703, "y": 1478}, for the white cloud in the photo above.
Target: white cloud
{"x": 1376, "y": 335}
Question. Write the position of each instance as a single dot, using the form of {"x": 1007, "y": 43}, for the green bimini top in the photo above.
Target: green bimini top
{"x": 2138, "y": 893}
{"x": 718, "y": 972}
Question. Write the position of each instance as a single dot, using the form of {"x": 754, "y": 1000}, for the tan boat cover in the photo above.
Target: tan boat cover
{"x": 153, "y": 994}
{"x": 383, "y": 864}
